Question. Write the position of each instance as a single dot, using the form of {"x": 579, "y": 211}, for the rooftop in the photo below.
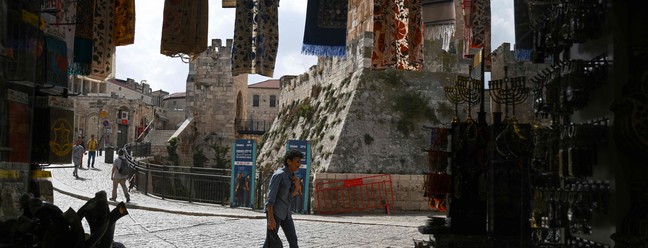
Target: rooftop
{"x": 268, "y": 84}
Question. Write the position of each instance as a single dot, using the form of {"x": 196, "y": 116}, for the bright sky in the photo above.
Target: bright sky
{"x": 143, "y": 61}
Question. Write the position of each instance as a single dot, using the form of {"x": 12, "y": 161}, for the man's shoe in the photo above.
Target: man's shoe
{"x": 113, "y": 199}
{"x": 128, "y": 199}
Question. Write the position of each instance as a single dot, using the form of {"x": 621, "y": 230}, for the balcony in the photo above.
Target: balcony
{"x": 256, "y": 127}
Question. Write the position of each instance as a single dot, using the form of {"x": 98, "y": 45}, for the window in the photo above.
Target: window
{"x": 273, "y": 101}
{"x": 255, "y": 101}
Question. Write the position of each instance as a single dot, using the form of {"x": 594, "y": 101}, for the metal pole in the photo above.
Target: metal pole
{"x": 482, "y": 114}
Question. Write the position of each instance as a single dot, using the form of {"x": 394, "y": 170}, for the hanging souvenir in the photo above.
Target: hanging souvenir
{"x": 184, "y": 29}
{"x": 325, "y": 30}
{"x": 398, "y": 35}
{"x": 256, "y": 37}
{"x": 103, "y": 45}
{"x": 124, "y": 31}
{"x": 440, "y": 22}
{"x": 83, "y": 38}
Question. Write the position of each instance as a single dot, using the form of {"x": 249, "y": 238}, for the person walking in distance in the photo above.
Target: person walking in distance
{"x": 117, "y": 177}
{"x": 284, "y": 186}
{"x": 77, "y": 157}
{"x": 92, "y": 150}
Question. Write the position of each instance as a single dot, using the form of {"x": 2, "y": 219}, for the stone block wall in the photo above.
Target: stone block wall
{"x": 407, "y": 189}
{"x": 14, "y": 178}
{"x": 215, "y": 99}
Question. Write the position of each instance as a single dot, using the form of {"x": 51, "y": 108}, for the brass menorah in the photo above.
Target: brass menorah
{"x": 453, "y": 95}
{"x": 508, "y": 91}
{"x": 469, "y": 91}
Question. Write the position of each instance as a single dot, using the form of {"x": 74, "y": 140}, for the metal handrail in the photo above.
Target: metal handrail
{"x": 147, "y": 128}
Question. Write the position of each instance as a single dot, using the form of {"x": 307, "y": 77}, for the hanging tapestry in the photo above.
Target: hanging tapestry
{"x": 57, "y": 63}
{"x": 124, "y": 31}
{"x": 83, "y": 38}
{"x": 229, "y": 4}
{"x": 103, "y": 46}
{"x": 24, "y": 43}
{"x": 184, "y": 28}
{"x": 256, "y": 37}
{"x": 326, "y": 26}
{"x": 242, "y": 49}
{"x": 398, "y": 35}
{"x": 440, "y": 22}
{"x": 481, "y": 29}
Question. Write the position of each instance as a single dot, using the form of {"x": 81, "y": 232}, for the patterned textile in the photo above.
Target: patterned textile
{"x": 124, "y": 31}
{"x": 440, "y": 22}
{"x": 256, "y": 37}
{"x": 481, "y": 19}
{"x": 83, "y": 38}
{"x": 103, "y": 46}
{"x": 228, "y": 4}
{"x": 325, "y": 31}
{"x": 184, "y": 28}
{"x": 398, "y": 35}
{"x": 477, "y": 30}
{"x": 57, "y": 63}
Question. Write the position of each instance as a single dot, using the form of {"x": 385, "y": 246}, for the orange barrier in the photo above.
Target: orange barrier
{"x": 357, "y": 194}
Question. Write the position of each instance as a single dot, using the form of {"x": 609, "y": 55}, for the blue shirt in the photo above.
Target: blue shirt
{"x": 279, "y": 196}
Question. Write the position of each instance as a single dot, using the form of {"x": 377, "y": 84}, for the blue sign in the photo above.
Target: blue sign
{"x": 303, "y": 174}
{"x": 106, "y": 123}
{"x": 243, "y": 173}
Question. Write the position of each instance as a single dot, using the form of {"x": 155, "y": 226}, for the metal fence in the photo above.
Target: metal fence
{"x": 183, "y": 183}
{"x": 193, "y": 184}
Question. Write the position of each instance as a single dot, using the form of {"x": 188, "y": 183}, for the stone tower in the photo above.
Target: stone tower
{"x": 215, "y": 99}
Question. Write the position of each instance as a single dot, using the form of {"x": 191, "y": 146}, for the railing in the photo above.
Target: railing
{"x": 145, "y": 132}
{"x": 138, "y": 149}
{"x": 183, "y": 183}
{"x": 251, "y": 126}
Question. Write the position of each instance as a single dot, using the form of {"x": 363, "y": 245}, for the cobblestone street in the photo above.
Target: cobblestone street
{"x": 153, "y": 222}
{"x": 143, "y": 228}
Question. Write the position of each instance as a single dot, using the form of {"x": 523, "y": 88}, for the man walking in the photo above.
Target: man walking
{"x": 284, "y": 186}
{"x": 77, "y": 157}
{"x": 92, "y": 150}
{"x": 117, "y": 177}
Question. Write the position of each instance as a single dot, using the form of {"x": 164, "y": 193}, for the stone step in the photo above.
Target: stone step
{"x": 159, "y": 137}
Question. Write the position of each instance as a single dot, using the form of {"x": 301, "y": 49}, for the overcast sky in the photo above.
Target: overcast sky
{"x": 143, "y": 61}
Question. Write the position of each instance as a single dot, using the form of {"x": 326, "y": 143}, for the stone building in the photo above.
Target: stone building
{"x": 173, "y": 108}
{"x": 263, "y": 105}
{"x": 214, "y": 101}
{"x": 115, "y": 111}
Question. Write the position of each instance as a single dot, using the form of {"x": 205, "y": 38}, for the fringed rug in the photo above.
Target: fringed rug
{"x": 440, "y": 21}
{"x": 326, "y": 26}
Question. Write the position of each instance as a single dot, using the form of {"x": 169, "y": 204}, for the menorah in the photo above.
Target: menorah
{"x": 469, "y": 91}
{"x": 508, "y": 91}
{"x": 453, "y": 95}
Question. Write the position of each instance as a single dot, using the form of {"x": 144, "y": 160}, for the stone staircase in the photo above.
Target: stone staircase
{"x": 159, "y": 137}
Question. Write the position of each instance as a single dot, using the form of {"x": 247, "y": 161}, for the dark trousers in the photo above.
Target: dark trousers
{"x": 288, "y": 227}
{"x": 91, "y": 155}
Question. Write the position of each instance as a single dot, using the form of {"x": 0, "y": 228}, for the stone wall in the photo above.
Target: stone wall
{"x": 14, "y": 179}
{"x": 407, "y": 189}
{"x": 505, "y": 56}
